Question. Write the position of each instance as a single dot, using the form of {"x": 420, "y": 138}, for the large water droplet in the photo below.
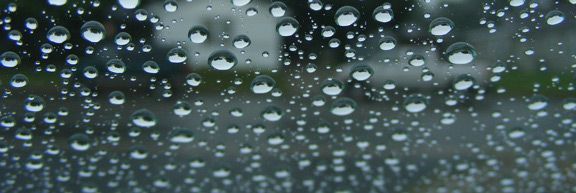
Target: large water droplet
{"x": 383, "y": 15}
{"x": 93, "y": 31}
{"x": 554, "y": 17}
{"x": 346, "y": 16}
{"x": 129, "y": 4}
{"x": 461, "y": 53}
{"x": 198, "y": 34}
{"x": 278, "y": 9}
{"x": 415, "y": 104}
{"x": 143, "y": 118}
{"x": 441, "y": 26}
{"x": 177, "y": 55}
{"x": 262, "y": 84}
{"x": 222, "y": 60}
{"x": 9, "y": 59}
{"x": 58, "y": 34}
{"x": 343, "y": 106}
{"x": 361, "y": 72}
{"x": 332, "y": 87}
{"x": 287, "y": 26}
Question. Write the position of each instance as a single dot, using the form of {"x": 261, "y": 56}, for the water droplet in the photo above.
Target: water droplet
{"x": 198, "y": 34}
{"x": 116, "y": 66}
{"x": 332, "y": 87}
{"x": 278, "y": 9}
{"x": 57, "y": 2}
{"x": 129, "y": 4}
{"x": 272, "y": 113}
{"x": 182, "y": 108}
{"x": 417, "y": 60}
{"x": 193, "y": 79}
{"x": 170, "y": 5}
{"x": 516, "y": 3}
{"x": 537, "y": 102}
{"x": 19, "y": 81}
{"x": 93, "y": 31}
{"x": 182, "y": 135}
{"x": 441, "y": 26}
{"x": 116, "y": 97}
{"x": 554, "y": 17}
{"x": 58, "y": 34}
{"x": 516, "y": 133}
{"x": 177, "y": 55}
{"x": 346, "y": 16}
{"x": 262, "y": 84}
{"x": 415, "y": 104}
{"x": 240, "y": 3}
{"x": 287, "y": 26}
{"x": 241, "y": 41}
{"x": 222, "y": 60}
{"x": 79, "y": 142}
{"x": 387, "y": 43}
{"x": 143, "y": 118}
{"x": 464, "y": 82}
{"x": 361, "y": 72}
{"x": 383, "y": 15}
{"x": 275, "y": 139}
{"x": 9, "y": 59}
{"x": 461, "y": 53}
{"x": 151, "y": 67}
{"x": 343, "y": 107}
{"x": 34, "y": 103}
{"x": 122, "y": 38}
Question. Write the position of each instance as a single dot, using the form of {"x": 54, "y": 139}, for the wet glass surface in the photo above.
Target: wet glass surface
{"x": 413, "y": 96}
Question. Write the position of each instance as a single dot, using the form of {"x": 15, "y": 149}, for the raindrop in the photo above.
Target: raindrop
{"x": 177, "y": 55}
{"x": 57, "y": 2}
{"x": 79, "y": 142}
{"x": 240, "y": 3}
{"x": 241, "y": 41}
{"x": 129, "y": 4}
{"x": 361, "y": 72}
{"x": 262, "y": 84}
{"x": 383, "y": 15}
{"x": 193, "y": 79}
{"x": 116, "y": 98}
{"x": 272, "y": 113}
{"x": 9, "y": 59}
{"x": 287, "y": 27}
{"x": 198, "y": 34}
{"x": 93, "y": 31}
{"x": 387, "y": 43}
{"x": 346, "y": 16}
{"x": 554, "y": 17}
{"x": 461, "y": 53}
{"x": 58, "y": 34}
{"x": 116, "y": 66}
{"x": 34, "y": 103}
{"x": 343, "y": 107}
{"x": 122, "y": 38}
{"x": 170, "y": 5}
{"x": 332, "y": 87}
{"x": 441, "y": 26}
{"x": 181, "y": 135}
{"x": 278, "y": 9}
{"x": 415, "y": 104}
{"x": 222, "y": 60}
{"x": 19, "y": 81}
{"x": 143, "y": 118}
{"x": 151, "y": 67}
{"x": 464, "y": 82}
{"x": 537, "y": 102}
